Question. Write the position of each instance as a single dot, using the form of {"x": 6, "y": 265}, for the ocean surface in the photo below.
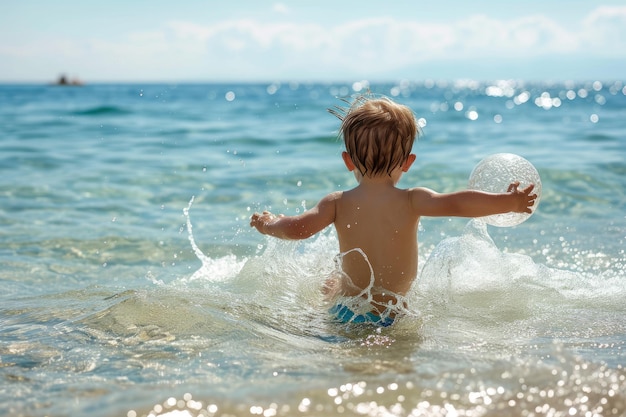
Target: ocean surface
{"x": 132, "y": 285}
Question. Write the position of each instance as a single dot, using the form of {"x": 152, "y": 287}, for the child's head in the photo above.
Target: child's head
{"x": 378, "y": 135}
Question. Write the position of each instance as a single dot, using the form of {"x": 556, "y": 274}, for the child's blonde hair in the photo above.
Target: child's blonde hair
{"x": 378, "y": 134}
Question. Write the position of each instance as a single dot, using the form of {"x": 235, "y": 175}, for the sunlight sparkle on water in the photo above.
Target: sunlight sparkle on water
{"x": 360, "y": 85}
{"x": 472, "y": 114}
{"x": 546, "y": 101}
{"x": 272, "y": 89}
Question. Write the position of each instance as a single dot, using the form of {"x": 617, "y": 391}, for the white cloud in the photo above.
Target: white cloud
{"x": 604, "y": 30}
{"x": 539, "y": 35}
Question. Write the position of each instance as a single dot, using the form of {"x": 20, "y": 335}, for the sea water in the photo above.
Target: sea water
{"x": 132, "y": 284}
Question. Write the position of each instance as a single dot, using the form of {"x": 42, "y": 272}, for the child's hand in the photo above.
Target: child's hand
{"x": 260, "y": 221}
{"x": 525, "y": 200}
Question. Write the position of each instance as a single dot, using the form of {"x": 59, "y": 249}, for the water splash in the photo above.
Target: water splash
{"x": 218, "y": 269}
{"x": 199, "y": 254}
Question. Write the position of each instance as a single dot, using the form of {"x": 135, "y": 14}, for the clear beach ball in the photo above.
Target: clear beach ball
{"x": 495, "y": 173}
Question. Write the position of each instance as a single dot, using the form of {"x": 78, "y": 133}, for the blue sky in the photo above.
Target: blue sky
{"x": 247, "y": 40}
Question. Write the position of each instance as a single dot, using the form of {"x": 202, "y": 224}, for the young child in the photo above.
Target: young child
{"x": 376, "y": 222}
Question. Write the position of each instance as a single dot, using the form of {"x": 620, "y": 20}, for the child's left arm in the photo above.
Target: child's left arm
{"x": 301, "y": 226}
{"x": 473, "y": 203}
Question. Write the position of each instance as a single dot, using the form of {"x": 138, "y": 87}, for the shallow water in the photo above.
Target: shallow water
{"x": 108, "y": 309}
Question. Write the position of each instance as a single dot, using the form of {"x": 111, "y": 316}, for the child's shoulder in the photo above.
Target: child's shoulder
{"x": 335, "y": 195}
{"x": 331, "y": 198}
{"x": 420, "y": 193}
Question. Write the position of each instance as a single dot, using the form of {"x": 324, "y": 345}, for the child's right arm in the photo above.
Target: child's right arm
{"x": 301, "y": 226}
{"x": 472, "y": 203}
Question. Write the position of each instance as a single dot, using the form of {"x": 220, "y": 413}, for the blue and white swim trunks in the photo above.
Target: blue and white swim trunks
{"x": 345, "y": 315}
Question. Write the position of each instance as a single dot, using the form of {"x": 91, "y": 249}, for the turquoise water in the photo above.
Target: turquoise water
{"x": 111, "y": 305}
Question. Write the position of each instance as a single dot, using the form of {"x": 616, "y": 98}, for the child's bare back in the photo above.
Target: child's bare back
{"x": 378, "y": 219}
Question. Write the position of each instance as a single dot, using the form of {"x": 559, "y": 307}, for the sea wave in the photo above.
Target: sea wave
{"x": 103, "y": 110}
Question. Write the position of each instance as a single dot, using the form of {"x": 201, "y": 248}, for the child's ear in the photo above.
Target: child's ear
{"x": 409, "y": 161}
{"x": 348, "y": 161}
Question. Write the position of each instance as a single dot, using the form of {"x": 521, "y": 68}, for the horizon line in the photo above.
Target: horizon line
{"x": 287, "y": 81}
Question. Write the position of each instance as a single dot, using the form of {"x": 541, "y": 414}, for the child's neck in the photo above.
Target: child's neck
{"x": 382, "y": 181}
{"x": 385, "y": 180}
